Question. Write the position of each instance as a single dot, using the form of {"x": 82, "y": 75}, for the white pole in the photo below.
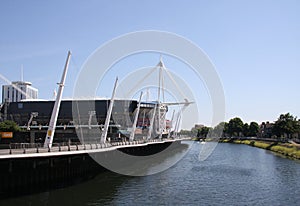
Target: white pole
{"x": 159, "y": 89}
{"x": 169, "y": 134}
{"x": 91, "y": 114}
{"x": 151, "y": 123}
{"x": 108, "y": 115}
{"x": 29, "y": 122}
{"x": 53, "y": 120}
{"x": 131, "y": 138}
{"x": 177, "y": 125}
{"x": 148, "y": 95}
{"x": 144, "y": 115}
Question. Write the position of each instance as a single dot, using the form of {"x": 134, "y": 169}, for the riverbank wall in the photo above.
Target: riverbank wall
{"x": 27, "y": 173}
{"x": 286, "y": 149}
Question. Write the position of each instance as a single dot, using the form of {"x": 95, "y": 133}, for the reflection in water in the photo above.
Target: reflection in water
{"x": 121, "y": 162}
{"x": 232, "y": 175}
{"x": 100, "y": 190}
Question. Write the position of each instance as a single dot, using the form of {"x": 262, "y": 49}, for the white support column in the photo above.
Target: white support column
{"x": 53, "y": 120}
{"x": 161, "y": 119}
{"x": 108, "y": 115}
{"x": 177, "y": 125}
{"x": 131, "y": 138}
{"x": 169, "y": 132}
{"x": 151, "y": 123}
{"x": 160, "y": 128}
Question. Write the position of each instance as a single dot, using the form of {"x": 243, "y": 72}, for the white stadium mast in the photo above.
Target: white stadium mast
{"x": 51, "y": 129}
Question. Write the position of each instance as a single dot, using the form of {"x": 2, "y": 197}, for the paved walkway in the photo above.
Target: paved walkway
{"x": 77, "y": 149}
{"x": 294, "y": 143}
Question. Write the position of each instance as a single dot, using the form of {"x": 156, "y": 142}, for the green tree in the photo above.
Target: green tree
{"x": 253, "y": 129}
{"x": 194, "y": 132}
{"x": 9, "y": 126}
{"x": 246, "y": 129}
{"x": 202, "y": 132}
{"x": 185, "y": 132}
{"x": 226, "y": 133}
{"x": 235, "y": 127}
{"x": 286, "y": 124}
{"x": 219, "y": 130}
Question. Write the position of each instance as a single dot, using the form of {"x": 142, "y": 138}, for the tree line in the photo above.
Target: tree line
{"x": 286, "y": 126}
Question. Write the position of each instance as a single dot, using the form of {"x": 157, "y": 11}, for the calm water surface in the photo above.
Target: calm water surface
{"x": 232, "y": 175}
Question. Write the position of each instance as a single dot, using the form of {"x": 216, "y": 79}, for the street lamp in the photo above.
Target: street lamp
{"x": 33, "y": 114}
{"x": 91, "y": 114}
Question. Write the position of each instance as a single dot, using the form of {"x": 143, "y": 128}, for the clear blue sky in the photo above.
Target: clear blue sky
{"x": 255, "y": 45}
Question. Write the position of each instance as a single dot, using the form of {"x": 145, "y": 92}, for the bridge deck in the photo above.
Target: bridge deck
{"x": 77, "y": 149}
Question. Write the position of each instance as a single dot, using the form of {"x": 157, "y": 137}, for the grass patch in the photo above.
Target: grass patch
{"x": 225, "y": 140}
{"x": 262, "y": 145}
{"x": 247, "y": 142}
{"x": 237, "y": 141}
{"x": 287, "y": 151}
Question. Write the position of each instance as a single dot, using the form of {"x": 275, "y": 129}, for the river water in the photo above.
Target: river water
{"x": 233, "y": 175}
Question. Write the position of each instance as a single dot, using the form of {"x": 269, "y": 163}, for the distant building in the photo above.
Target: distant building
{"x": 198, "y": 126}
{"x": 265, "y": 130}
{"x": 18, "y": 91}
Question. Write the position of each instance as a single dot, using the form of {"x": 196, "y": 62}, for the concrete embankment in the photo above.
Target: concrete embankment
{"x": 26, "y": 171}
{"x": 286, "y": 149}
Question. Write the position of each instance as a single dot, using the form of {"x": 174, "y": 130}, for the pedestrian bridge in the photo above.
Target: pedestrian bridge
{"x": 26, "y": 150}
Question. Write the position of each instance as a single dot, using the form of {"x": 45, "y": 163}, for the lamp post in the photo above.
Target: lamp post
{"x": 33, "y": 115}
